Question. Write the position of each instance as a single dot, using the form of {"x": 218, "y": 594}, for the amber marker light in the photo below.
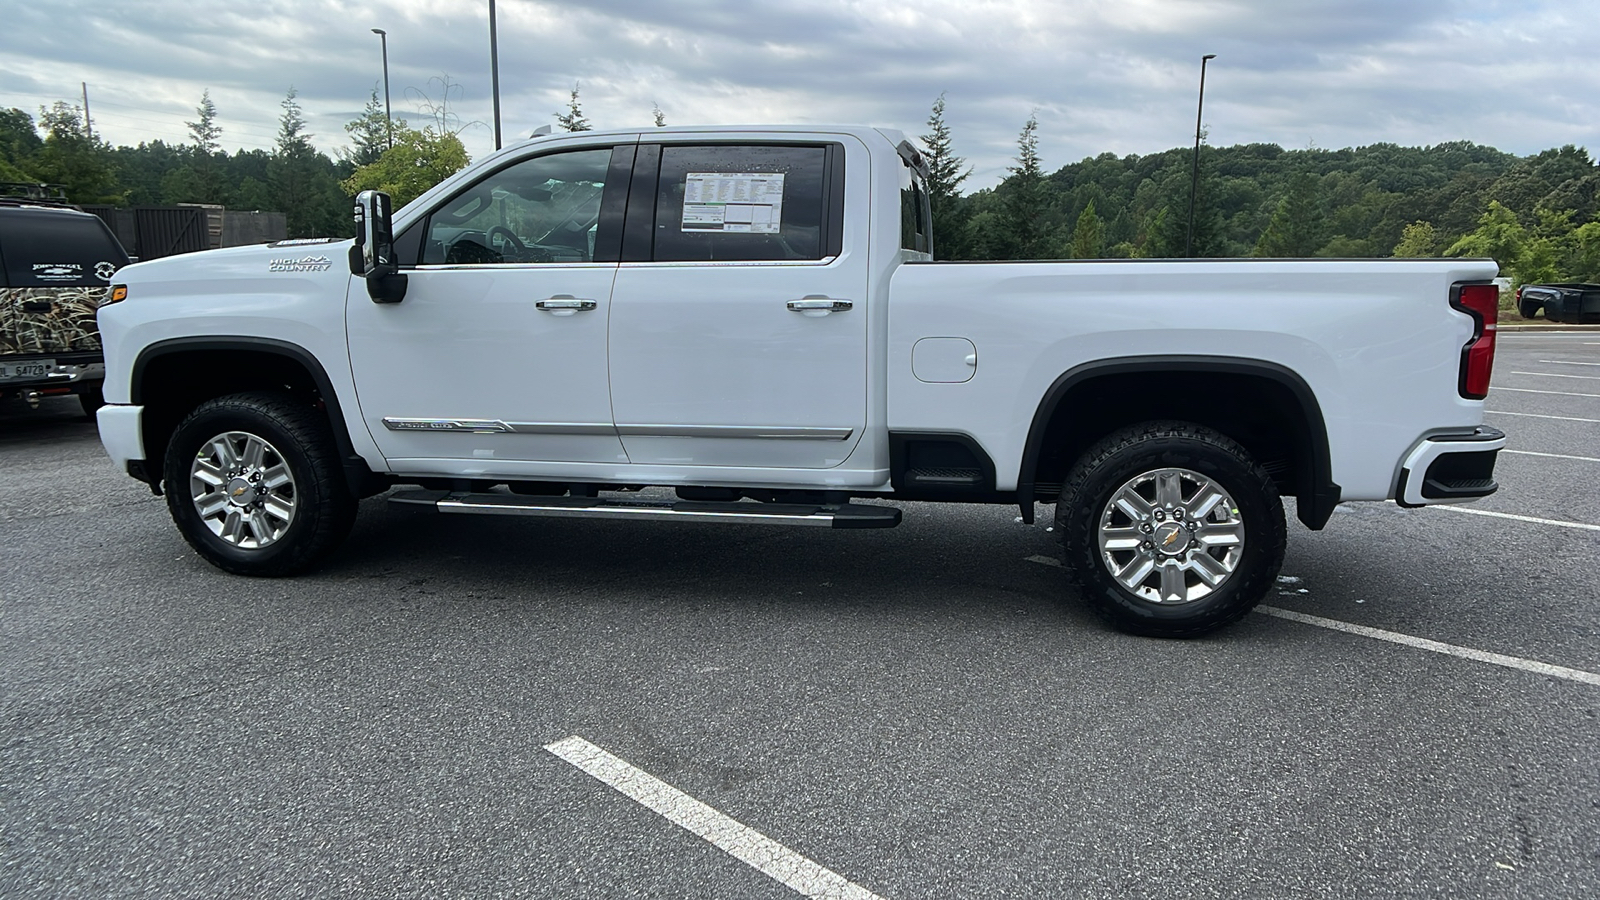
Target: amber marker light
{"x": 119, "y": 293}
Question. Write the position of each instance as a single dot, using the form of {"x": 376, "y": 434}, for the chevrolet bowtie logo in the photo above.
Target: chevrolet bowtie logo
{"x": 240, "y": 491}
{"x": 1170, "y": 538}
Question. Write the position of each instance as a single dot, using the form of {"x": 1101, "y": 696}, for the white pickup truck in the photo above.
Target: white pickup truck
{"x": 753, "y": 317}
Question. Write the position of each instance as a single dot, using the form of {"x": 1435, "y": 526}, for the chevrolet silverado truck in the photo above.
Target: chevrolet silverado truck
{"x": 753, "y": 319}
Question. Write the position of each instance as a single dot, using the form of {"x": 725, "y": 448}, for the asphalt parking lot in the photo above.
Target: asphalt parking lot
{"x": 906, "y": 713}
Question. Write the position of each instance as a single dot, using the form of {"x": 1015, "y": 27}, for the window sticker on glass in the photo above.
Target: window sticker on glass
{"x": 747, "y": 202}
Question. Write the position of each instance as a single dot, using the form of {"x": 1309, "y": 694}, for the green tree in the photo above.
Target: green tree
{"x": 1417, "y": 241}
{"x": 1026, "y": 198}
{"x": 1086, "y": 236}
{"x": 19, "y": 142}
{"x": 1499, "y": 236}
{"x": 369, "y": 132}
{"x": 573, "y": 119}
{"x": 946, "y": 171}
{"x": 417, "y": 161}
{"x": 199, "y": 179}
{"x": 1296, "y": 228}
{"x": 301, "y": 179}
{"x": 71, "y": 158}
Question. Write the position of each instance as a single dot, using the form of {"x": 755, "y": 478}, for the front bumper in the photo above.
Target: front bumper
{"x": 122, "y": 433}
{"x": 1450, "y": 468}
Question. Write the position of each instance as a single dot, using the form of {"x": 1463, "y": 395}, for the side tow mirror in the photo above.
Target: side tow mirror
{"x": 372, "y": 257}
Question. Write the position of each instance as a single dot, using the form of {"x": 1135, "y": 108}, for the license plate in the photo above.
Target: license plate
{"x": 33, "y": 368}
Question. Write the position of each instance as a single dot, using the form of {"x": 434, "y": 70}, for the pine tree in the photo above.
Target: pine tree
{"x": 205, "y": 131}
{"x": 945, "y": 174}
{"x": 369, "y": 132}
{"x": 1296, "y": 228}
{"x": 1086, "y": 236}
{"x": 573, "y": 120}
{"x": 1026, "y": 199}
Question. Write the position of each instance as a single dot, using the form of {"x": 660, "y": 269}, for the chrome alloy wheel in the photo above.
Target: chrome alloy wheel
{"x": 243, "y": 490}
{"x": 1171, "y": 536}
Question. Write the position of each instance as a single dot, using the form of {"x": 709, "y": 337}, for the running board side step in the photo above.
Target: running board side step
{"x": 747, "y": 512}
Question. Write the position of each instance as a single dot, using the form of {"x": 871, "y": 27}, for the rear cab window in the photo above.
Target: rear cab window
{"x": 736, "y": 202}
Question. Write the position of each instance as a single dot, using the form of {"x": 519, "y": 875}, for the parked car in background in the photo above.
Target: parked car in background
{"x": 56, "y": 265}
{"x": 1568, "y": 302}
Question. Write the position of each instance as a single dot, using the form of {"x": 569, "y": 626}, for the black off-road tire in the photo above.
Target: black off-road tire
{"x": 300, "y": 438}
{"x": 1119, "y": 460}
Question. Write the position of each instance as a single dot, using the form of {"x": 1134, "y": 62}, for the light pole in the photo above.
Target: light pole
{"x": 387, "y": 116}
{"x": 1194, "y": 178}
{"x": 494, "y": 74}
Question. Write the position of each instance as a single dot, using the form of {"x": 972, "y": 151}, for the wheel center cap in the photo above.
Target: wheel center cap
{"x": 241, "y": 492}
{"x": 1171, "y": 538}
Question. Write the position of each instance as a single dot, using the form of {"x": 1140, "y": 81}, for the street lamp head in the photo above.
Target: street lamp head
{"x": 1203, "y": 58}
{"x": 379, "y": 31}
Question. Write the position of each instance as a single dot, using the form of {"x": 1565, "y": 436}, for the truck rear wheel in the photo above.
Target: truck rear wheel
{"x": 254, "y": 484}
{"x": 1171, "y": 529}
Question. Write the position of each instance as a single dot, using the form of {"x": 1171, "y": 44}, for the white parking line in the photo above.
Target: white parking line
{"x": 1568, "y": 362}
{"x": 1552, "y": 455}
{"x": 1499, "y": 412}
{"x": 1395, "y": 637}
{"x": 1531, "y": 391}
{"x": 1500, "y": 515}
{"x": 1556, "y": 375}
{"x": 739, "y": 841}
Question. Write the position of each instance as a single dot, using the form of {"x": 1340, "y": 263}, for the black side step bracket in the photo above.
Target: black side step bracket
{"x": 745, "y": 512}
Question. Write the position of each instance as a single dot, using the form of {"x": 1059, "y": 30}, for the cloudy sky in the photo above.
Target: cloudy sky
{"x": 1117, "y": 76}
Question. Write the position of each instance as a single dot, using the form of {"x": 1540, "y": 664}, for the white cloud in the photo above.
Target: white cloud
{"x": 1104, "y": 75}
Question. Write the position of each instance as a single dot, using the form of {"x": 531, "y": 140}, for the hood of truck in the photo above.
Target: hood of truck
{"x": 287, "y": 267}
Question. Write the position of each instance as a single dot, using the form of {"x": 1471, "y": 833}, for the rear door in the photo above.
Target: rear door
{"x": 738, "y": 329}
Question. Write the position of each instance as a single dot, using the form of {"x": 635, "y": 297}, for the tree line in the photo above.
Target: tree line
{"x": 1538, "y": 216}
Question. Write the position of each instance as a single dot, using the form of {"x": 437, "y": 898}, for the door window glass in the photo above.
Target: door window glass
{"x": 541, "y": 210}
{"x": 740, "y": 202}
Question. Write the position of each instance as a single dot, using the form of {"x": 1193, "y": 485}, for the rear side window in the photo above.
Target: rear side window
{"x": 738, "y": 202}
{"x": 47, "y": 249}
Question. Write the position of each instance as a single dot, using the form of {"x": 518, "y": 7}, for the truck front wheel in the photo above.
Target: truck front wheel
{"x": 254, "y": 484}
{"x": 1171, "y": 529}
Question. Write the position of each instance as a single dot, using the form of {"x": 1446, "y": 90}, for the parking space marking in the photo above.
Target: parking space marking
{"x": 1531, "y": 391}
{"x": 1395, "y": 637}
{"x": 1552, "y": 455}
{"x": 1496, "y": 412}
{"x": 1556, "y": 375}
{"x": 1568, "y": 362}
{"x": 743, "y": 843}
{"x": 1500, "y": 515}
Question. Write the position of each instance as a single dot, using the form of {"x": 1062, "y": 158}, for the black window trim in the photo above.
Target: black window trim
{"x": 638, "y": 235}
{"x": 608, "y": 237}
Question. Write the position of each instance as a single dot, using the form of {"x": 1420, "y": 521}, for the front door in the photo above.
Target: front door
{"x": 498, "y": 351}
{"x": 742, "y": 340}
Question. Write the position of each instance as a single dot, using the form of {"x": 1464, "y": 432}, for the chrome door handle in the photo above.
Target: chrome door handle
{"x": 564, "y": 305}
{"x": 815, "y": 305}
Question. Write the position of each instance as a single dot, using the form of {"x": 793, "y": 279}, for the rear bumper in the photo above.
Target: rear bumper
{"x": 1450, "y": 468}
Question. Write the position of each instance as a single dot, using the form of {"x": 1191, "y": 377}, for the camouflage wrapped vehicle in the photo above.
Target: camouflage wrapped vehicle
{"x": 56, "y": 266}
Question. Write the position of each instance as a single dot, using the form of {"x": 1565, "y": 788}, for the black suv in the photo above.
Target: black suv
{"x": 1560, "y": 302}
{"x": 56, "y": 265}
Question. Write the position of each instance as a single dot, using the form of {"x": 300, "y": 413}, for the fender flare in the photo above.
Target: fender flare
{"x": 1316, "y": 493}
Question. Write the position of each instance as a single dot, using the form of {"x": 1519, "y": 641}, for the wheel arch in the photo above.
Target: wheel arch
{"x": 162, "y": 381}
{"x": 1074, "y": 413}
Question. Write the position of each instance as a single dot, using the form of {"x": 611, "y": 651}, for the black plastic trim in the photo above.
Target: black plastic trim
{"x": 899, "y": 465}
{"x": 359, "y": 477}
{"x": 1316, "y": 492}
{"x": 639, "y": 225}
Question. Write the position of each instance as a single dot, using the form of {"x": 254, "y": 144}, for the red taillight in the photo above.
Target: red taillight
{"x": 1482, "y": 302}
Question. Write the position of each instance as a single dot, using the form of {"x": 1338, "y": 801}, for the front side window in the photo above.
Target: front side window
{"x": 740, "y": 202}
{"x": 540, "y": 210}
